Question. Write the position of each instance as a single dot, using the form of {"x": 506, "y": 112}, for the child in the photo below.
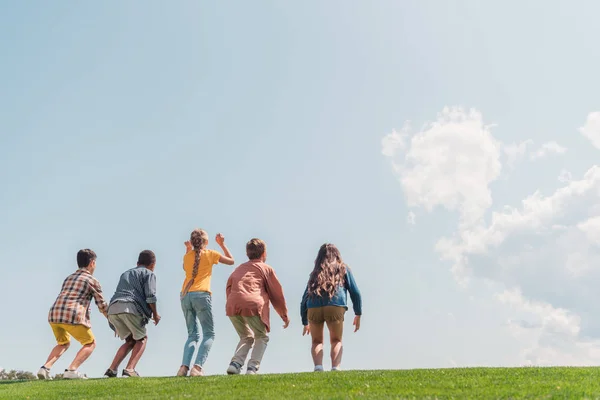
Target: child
{"x": 196, "y": 300}
{"x": 70, "y": 316}
{"x": 250, "y": 288}
{"x": 324, "y": 301}
{"x": 130, "y": 309}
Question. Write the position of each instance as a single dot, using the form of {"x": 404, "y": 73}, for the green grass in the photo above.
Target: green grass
{"x": 474, "y": 383}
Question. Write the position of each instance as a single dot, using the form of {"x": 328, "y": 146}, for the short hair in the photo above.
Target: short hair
{"x": 85, "y": 257}
{"x": 255, "y": 248}
{"x": 146, "y": 258}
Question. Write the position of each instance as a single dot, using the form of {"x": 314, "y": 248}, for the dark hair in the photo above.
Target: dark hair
{"x": 255, "y": 248}
{"x": 146, "y": 258}
{"x": 85, "y": 257}
{"x": 329, "y": 272}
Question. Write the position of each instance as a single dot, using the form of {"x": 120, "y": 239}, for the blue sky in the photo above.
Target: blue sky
{"x": 123, "y": 126}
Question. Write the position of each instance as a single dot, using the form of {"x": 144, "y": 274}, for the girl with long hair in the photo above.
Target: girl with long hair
{"x": 325, "y": 302}
{"x": 196, "y": 301}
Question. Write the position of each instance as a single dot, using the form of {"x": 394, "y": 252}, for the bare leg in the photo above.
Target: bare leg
{"x": 136, "y": 354}
{"x": 55, "y": 354}
{"x": 316, "y": 332}
{"x": 83, "y": 354}
{"x": 336, "y": 329}
{"x": 122, "y": 353}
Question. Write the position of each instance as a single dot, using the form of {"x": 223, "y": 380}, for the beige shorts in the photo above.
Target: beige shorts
{"x": 128, "y": 325}
{"x": 328, "y": 313}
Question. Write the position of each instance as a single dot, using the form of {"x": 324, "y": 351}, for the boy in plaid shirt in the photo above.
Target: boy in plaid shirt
{"x": 70, "y": 315}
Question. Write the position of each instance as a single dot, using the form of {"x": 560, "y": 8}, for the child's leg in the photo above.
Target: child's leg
{"x": 63, "y": 340}
{"x": 136, "y": 353}
{"x": 261, "y": 339}
{"x": 123, "y": 351}
{"x": 246, "y": 339}
{"x": 192, "y": 328}
{"x": 316, "y": 332}
{"x": 203, "y": 307}
{"x": 84, "y": 336}
{"x": 336, "y": 329}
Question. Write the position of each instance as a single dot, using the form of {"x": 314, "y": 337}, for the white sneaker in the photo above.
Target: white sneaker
{"x": 319, "y": 368}
{"x": 336, "y": 369}
{"x": 251, "y": 371}
{"x": 44, "y": 373}
{"x": 233, "y": 369}
{"x": 73, "y": 375}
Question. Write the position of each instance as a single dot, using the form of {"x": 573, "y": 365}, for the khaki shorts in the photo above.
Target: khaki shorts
{"x": 63, "y": 333}
{"x": 328, "y": 313}
{"x": 128, "y": 325}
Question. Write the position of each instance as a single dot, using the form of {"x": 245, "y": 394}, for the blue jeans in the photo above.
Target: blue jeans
{"x": 197, "y": 310}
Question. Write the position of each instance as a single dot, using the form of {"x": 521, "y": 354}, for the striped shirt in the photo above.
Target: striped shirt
{"x": 136, "y": 286}
{"x": 72, "y": 306}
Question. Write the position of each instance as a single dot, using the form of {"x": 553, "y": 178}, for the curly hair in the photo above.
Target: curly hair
{"x": 329, "y": 272}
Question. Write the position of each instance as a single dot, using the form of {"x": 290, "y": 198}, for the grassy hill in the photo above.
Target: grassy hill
{"x": 496, "y": 383}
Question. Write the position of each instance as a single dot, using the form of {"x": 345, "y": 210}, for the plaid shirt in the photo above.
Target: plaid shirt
{"x": 72, "y": 306}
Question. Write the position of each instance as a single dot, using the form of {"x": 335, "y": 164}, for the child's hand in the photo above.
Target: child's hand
{"x": 188, "y": 246}
{"x": 220, "y": 239}
{"x": 286, "y": 322}
{"x": 306, "y": 330}
{"x": 356, "y": 323}
{"x": 156, "y": 319}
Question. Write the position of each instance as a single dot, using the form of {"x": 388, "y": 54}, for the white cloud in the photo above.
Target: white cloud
{"x": 565, "y": 176}
{"x": 547, "y": 149}
{"x": 450, "y": 163}
{"x": 591, "y": 228}
{"x": 545, "y": 252}
{"x": 591, "y": 129}
{"x": 411, "y": 218}
{"x": 394, "y": 142}
{"x": 516, "y": 152}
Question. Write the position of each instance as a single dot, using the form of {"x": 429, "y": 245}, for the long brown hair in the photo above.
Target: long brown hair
{"x": 328, "y": 274}
{"x": 199, "y": 240}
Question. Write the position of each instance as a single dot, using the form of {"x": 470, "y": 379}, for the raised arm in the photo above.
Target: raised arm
{"x": 227, "y": 258}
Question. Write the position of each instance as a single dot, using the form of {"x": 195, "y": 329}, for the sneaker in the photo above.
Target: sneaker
{"x": 183, "y": 371}
{"x": 319, "y": 368}
{"x": 44, "y": 373}
{"x": 73, "y": 375}
{"x": 132, "y": 373}
{"x": 251, "y": 371}
{"x": 234, "y": 369}
{"x": 197, "y": 371}
{"x": 110, "y": 373}
{"x": 336, "y": 369}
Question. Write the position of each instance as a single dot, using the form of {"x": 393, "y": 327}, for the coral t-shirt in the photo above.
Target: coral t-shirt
{"x": 201, "y": 283}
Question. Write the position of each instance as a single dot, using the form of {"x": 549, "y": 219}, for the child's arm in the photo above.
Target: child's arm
{"x": 304, "y": 312}
{"x": 227, "y": 258}
{"x": 356, "y": 298}
{"x": 96, "y": 290}
{"x": 150, "y": 293}
{"x": 276, "y": 296}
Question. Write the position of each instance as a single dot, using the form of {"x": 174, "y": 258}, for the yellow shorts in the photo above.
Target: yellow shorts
{"x": 81, "y": 333}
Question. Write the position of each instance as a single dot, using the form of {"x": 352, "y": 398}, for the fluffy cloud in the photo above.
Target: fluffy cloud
{"x": 411, "y": 218}
{"x": 544, "y": 252}
{"x": 591, "y": 128}
{"x": 547, "y": 149}
{"x": 516, "y": 152}
{"x": 450, "y": 163}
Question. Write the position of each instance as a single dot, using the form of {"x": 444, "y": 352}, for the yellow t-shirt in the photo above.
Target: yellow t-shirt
{"x": 208, "y": 258}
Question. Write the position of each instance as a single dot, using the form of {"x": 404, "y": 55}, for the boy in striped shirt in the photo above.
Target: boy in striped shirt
{"x": 70, "y": 316}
